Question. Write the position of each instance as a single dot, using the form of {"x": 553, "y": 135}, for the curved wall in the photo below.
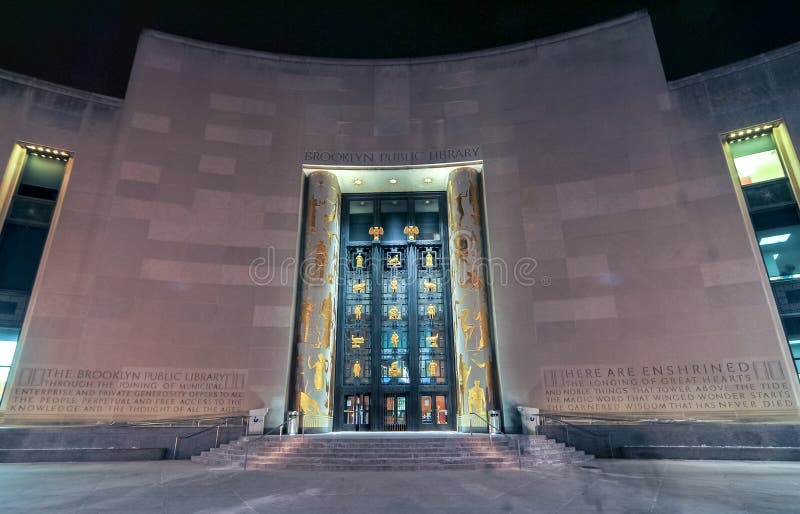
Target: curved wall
{"x": 611, "y": 180}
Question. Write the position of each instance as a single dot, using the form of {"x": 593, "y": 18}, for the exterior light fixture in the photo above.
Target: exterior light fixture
{"x": 393, "y": 181}
{"x": 358, "y": 182}
{"x": 427, "y": 180}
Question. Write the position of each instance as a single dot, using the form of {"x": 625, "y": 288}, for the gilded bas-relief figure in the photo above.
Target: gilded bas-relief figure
{"x": 318, "y": 290}
{"x": 433, "y": 340}
{"x": 463, "y": 373}
{"x": 477, "y": 399}
{"x": 431, "y": 310}
{"x": 411, "y": 231}
{"x": 320, "y": 368}
{"x": 429, "y": 260}
{"x": 356, "y": 369}
{"x": 433, "y": 369}
{"x": 327, "y": 319}
{"x": 483, "y": 323}
{"x": 360, "y": 287}
{"x": 376, "y": 233}
{"x": 305, "y": 317}
{"x": 394, "y": 312}
{"x": 428, "y": 285}
{"x": 308, "y": 404}
{"x": 393, "y": 259}
{"x": 394, "y": 370}
{"x": 393, "y": 285}
{"x": 356, "y": 341}
{"x": 357, "y": 310}
{"x": 395, "y": 339}
{"x": 359, "y": 260}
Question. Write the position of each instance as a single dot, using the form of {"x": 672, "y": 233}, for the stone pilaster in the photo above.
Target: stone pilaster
{"x": 471, "y": 332}
{"x": 315, "y": 327}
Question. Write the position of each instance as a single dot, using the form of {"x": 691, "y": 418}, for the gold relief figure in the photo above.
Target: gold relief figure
{"x": 433, "y": 369}
{"x": 357, "y": 369}
{"x": 331, "y": 215}
{"x": 356, "y": 341}
{"x": 483, "y": 326}
{"x": 472, "y": 195}
{"x": 320, "y": 259}
{"x": 394, "y": 312}
{"x": 308, "y": 404}
{"x": 433, "y": 340}
{"x": 431, "y": 311}
{"x": 477, "y": 398}
{"x": 393, "y": 285}
{"x": 463, "y": 376}
{"x": 466, "y": 327}
{"x": 395, "y": 339}
{"x": 394, "y": 370}
{"x": 359, "y": 261}
{"x": 488, "y": 370}
{"x": 394, "y": 259}
{"x": 319, "y": 367}
{"x": 327, "y": 317}
{"x": 428, "y": 260}
{"x": 376, "y": 233}
{"x": 460, "y": 208}
{"x": 305, "y": 317}
{"x": 473, "y": 280}
{"x": 360, "y": 287}
{"x": 357, "y": 310}
{"x": 411, "y": 231}
{"x": 429, "y": 286}
{"x": 312, "y": 215}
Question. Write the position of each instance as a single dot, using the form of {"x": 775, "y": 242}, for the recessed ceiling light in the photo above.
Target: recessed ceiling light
{"x": 393, "y": 181}
{"x": 770, "y": 240}
{"x": 358, "y": 181}
{"x": 427, "y": 180}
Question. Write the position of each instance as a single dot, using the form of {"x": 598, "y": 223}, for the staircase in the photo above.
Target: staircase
{"x": 379, "y": 452}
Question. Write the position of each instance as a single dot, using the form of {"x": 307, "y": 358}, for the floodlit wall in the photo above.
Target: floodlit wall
{"x": 624, "y": 282}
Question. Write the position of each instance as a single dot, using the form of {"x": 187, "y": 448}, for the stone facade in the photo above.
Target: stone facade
{"x": 606, "y": 193}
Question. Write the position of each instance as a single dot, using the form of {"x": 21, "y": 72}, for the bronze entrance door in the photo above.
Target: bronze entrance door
{"x": 394, "y": 362}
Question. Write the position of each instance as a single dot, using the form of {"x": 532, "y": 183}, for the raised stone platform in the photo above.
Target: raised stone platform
{"x": 683, "y": 440}
{"x": 384, "y": 452}
{"x": 107, "y": 442}
{"x": 82, "y": 454}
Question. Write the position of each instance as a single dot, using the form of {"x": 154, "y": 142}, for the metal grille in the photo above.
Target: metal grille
{"x": 394, "y": 412}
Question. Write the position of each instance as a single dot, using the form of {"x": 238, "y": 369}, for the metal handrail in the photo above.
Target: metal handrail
{"x": 500, "y": 431}
{"x": 179, "y": 437}
{"x": 567, "y": 424}
{"x": 271, "y": 431}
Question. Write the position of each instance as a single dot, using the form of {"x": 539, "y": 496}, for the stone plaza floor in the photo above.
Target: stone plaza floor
{"x": 609, "y": 486}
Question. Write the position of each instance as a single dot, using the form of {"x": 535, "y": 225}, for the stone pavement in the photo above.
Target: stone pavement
{"x": 609, "y": 486}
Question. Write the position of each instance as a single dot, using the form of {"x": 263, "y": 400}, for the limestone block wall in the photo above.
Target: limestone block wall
{"x": 618, "y": 249}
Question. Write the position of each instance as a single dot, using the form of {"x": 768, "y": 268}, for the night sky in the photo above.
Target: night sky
{"x": 90, "y": 44}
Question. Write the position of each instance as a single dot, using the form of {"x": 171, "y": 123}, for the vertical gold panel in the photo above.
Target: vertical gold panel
{"x": 315, "y": 333}
{"x": 471, "y": 334}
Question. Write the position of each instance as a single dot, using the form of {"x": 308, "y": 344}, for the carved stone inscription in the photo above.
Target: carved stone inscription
{"x": 755, "y": 385}
{"x": 127, "y": 392}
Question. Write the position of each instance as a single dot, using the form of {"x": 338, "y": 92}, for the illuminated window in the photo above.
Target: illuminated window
{"x": 761, "y": 158}
{"x": 757, "y": 159}
{"x": 30, "y": 189}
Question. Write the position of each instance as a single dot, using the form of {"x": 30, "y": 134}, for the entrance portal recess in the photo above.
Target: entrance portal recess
{"x": 394, "y": 362}
{"x": 393, "y": 325}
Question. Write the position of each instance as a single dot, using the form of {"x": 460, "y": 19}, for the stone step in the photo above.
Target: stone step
{"x": 390, "y": 453}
